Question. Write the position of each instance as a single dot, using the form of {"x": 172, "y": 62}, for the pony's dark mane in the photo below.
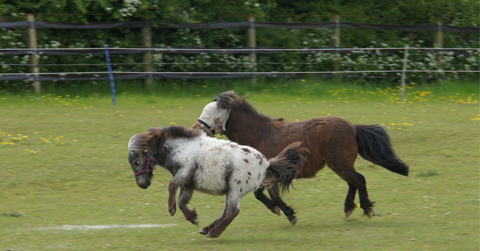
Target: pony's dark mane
{"x": 175, "y": 132}
{"x": 154, "y": 138}
{"x": 230, "y": 99}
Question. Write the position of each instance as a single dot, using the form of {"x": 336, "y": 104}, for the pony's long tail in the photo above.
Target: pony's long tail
{"x": 283, "y": 168}
{"x": 375, "y": 145}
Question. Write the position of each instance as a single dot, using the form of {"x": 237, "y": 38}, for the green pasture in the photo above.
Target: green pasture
{"x": 64, "y": 163}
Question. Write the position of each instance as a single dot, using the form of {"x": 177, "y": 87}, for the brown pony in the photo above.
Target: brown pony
{"x": 333, "y": 141}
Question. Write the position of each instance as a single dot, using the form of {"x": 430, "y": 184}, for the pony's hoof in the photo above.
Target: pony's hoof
{"x": 195, "y": 222}
{"x": 211, "y": 235}
{"x": 348, "y": 213}
{"x": 276, "y": 211}
{"x": 293, "y": 220}
{"x": 202, "y": 232}
{"x": 369, "y": 213}
{"x": 172, "y": 211}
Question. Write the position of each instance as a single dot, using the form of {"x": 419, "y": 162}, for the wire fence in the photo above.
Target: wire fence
{"x": 103, "y": 75}
{"x": 247, "y": 66}
{"x": 257, "y": 50}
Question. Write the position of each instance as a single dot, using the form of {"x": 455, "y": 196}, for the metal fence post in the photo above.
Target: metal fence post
{"x": 34, "y": 57}
{"x": 110, "y": 75}
{"x": 404, "y": 71}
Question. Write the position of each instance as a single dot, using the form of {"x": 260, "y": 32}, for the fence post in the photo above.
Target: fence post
{"x": 110, "y": 75}
{"x": 252, "y": 44}
{"x": 147, "y": 57}
{"x": 34, "y": 57}
{"x": 336, "y": 41}
{"x": 404, "y": 71}
{"x": 438, "y": 43}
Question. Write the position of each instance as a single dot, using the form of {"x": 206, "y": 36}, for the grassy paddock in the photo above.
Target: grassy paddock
{"x": 64, "y": 163}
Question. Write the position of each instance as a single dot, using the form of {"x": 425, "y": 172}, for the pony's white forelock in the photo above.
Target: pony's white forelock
{"x": 132, "y": 144}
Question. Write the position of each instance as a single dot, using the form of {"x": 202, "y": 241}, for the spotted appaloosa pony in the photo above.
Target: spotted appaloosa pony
{"x": 330, "y": 140}
{"x": 209, "y": 165}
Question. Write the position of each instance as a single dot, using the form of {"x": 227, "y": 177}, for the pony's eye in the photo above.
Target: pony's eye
{"x": 137, "y": 162}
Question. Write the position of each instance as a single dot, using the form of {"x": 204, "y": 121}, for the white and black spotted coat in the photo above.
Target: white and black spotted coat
{"x": 213, "y": 166}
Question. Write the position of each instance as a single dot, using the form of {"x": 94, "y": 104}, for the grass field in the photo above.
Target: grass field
{"x": 64, "y": 163}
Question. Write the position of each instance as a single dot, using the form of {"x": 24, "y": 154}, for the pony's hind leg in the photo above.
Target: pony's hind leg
{"x": 206, "y": 229}
{"x": 356, "y": 181}
{"x": 184, "y": 197}
{"x": 231, "y": 210}
{"x": 222, "y": 224}
{"x": 266, "y": 201}
{"x": 350, "y": 200}
{"x": 287, "y": 210}
{"x": 365, "y": 202}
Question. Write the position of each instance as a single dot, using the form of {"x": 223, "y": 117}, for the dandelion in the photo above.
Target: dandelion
{"x": 172, "y": 123}
{"x": 75, "y": 140}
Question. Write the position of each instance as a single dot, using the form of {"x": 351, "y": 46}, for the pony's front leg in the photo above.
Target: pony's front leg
{"x": 182, "y": 177}
{"x": 172, "y": 205}
{"x": 183, "y": 198}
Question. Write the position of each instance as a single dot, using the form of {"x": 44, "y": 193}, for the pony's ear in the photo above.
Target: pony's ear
{"x": 227, "y": 99}
{"x": 245, "y": 96}
{"x": 215, "y": 97}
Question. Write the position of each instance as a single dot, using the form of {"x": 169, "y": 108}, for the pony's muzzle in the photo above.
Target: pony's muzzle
{"x": 142, "y": 181}
{"x": 144, "y": 186}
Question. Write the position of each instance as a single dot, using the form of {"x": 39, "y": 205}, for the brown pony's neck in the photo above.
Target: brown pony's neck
{"x": 246, "y": 126}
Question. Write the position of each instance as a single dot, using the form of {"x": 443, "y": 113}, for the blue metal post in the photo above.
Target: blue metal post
{"x": 110, "y": 75}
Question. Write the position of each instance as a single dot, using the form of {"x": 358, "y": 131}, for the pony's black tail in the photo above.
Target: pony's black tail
{"x": 283, "y": 168}
{"x": 375, "y": 145}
